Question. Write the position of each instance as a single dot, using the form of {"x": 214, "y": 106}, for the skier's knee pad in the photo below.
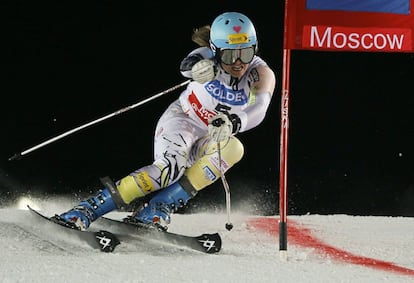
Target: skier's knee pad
{"x": 133, "y": 187}
{"x": 206, "y": 170}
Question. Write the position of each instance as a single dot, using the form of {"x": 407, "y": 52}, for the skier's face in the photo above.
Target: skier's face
{"x": 236, "y": 70}
{"x": 236, "y": 61}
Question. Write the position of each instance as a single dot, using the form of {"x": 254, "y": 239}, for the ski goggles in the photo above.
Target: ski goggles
{"x": 230, "y": 56}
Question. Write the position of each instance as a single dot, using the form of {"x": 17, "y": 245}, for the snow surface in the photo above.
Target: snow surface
{"x": 321, "y": 248}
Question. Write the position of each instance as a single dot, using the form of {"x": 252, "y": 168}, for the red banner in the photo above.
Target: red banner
{"x": 350, "y": 25}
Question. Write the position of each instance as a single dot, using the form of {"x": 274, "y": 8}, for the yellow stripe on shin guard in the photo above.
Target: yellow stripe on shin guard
{"x": 206, "y": 170}
{"x": 132, "y": 187}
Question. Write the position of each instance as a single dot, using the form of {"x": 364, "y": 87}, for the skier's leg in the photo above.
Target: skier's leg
{"x": 113, "y": 196}
{"x": 202, "y": 173}
{"x": 88, "y": 210}
{"x": 166, "y": 201}
{"x": 173, "y": 141}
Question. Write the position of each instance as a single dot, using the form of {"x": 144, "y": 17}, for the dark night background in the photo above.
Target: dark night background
{"x": 67, "y": 63}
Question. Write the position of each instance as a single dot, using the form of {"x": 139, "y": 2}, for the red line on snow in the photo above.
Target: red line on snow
{"x": 301, "y": 236}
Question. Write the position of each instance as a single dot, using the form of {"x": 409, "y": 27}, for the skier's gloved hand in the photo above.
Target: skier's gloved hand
{"x": 220, "y": 127}
{"x": 203, "y": 71}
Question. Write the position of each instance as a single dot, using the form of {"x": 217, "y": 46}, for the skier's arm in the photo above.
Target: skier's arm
{"x": 262, "y": 89}
{"x": 194, "y": 57}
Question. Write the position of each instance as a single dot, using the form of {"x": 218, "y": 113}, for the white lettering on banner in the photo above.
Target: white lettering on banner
{"x": 223, "y": 94}
{"x": 365, "y": 39}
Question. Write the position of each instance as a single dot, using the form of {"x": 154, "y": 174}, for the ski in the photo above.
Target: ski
{"x": 102, "y": 239}
{"x": 129, "y": 231}
{"x": 207, "y": 243}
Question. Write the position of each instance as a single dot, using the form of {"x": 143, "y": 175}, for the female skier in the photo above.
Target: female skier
{"x": 230, "y": 92}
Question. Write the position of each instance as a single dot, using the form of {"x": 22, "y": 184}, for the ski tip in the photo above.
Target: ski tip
{"x": 32, "y": 208}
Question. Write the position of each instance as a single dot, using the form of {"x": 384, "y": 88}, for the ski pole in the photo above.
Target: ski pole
{"x": 229, "y": 225}
{"x": 125, "y": 109}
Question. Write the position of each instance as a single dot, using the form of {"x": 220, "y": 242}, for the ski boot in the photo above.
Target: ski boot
{"x": 157, "y": 211}
{"x": 87, "y": 211}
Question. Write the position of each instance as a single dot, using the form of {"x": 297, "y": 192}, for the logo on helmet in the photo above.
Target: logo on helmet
{"x": 238, "y": 38}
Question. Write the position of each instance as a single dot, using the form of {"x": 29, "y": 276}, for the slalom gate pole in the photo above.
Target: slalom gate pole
{"x": 125, "y": 109}
{"x": 283, "y": 164}
{"x": 284, "y": 128}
